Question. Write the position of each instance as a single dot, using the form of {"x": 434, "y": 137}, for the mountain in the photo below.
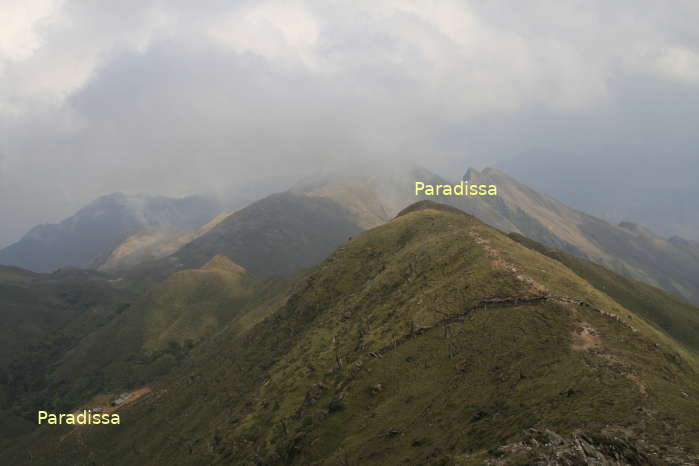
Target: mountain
{"x": 277, "y": 235}
{"x": 101, "y": 225}
{"x": 150, "y": 245}
{"x": 629, "y": 249}
{"x": 287, "y": 231}
{"x": 73, "y": 335}
{"x": 431, "y": 339}
{"x": 152, "y": 335}
{"x": 667, "y": 312}
{"x": 373, "y": 197}
{"x": 690, "y": 247}
{"x": 117, "y": 233}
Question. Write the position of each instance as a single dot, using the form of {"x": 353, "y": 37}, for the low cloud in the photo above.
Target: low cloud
{"x": 589, "y": 101}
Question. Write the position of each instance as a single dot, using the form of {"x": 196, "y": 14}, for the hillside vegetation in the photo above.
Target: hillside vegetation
{"x": 669, "y": 313}
{"x": 275, "y": 236}
{"x": 433, "y": 339}
{"x": 41, "y": 317}
{"x": 627, "y": 249}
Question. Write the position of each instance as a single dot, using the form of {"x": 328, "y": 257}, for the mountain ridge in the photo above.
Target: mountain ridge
{"x": 627, "y": 248}
{"x": 434, "y": 339}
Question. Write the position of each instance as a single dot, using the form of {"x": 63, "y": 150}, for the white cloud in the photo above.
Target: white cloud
{"x": 102, "y": 96}
{"x": 679, "y": 63}
{"x": 277, "y": 31}
{"x": 50, "y": 49}
{"x": 21, "y": 21}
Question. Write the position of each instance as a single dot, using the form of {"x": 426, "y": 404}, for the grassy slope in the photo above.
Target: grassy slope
{"x": 33, "y": 305}
{"x": 302, "y": 386}
{"x": 673, "y": 315}
{"x": 277, "y": 235}
{"x": 150, "y": 245}
{"x": 627, "y": 249}
{"x": 41, "y": 317}
{"x": 110, "y": 349}
{"x": 273, "y": 237}
{"x": 154, "y": 335}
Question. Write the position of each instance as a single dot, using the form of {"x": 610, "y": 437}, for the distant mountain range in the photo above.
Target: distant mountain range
{"x": 95, "y": 230}
{"x": 629, "y": 249}
{"x": 296, "y": 229}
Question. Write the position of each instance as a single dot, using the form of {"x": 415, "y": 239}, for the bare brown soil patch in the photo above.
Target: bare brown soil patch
{"x": 585, "y": 337}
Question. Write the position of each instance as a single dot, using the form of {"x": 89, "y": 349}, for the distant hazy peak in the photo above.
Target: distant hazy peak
{"x": 471, "y": 174}
{"x": 495, "y": 172}
{"x": 372, "y": 196}
{"x": 96, "y": 229}
{"x": 493, "y": 175}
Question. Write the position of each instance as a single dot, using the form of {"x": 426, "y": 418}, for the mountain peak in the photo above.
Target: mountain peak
{"x": 488, "y": 172}
{"x": 471, "y": 174}
{"x": 494, "y": 172}
{"x": 100, "y": 226}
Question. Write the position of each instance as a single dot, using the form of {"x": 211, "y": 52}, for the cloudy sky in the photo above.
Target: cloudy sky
{"x": 594, "y": 102}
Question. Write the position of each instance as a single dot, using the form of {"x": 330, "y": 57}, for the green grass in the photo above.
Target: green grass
{"x": 41, "y": 317}
{"x": 674, "y": 316}
{"x": 297, "y": 383}
{"x": 154, "y": 335}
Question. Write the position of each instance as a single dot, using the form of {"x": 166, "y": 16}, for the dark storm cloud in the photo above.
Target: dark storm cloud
{"x": 588, "y": 101}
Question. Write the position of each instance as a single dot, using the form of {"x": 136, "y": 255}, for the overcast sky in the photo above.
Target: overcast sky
{"x": 594, "y": 102}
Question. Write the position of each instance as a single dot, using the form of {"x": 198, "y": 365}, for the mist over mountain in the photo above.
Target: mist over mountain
{"x": 627, "y": 248}
{"x": 98, "y": 227}
{"x": 297, "y": 228}
{"x": 308, "y": 295}
{"x": 307, "y": 276}
{"x": 594, "y": 105}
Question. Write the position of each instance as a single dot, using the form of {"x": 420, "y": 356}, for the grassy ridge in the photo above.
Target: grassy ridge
{"x": 420, "y": 341}
{"x": 155, "y": 334}
{"x": 676, "y": 317}
{"x": 627, "y": 249}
